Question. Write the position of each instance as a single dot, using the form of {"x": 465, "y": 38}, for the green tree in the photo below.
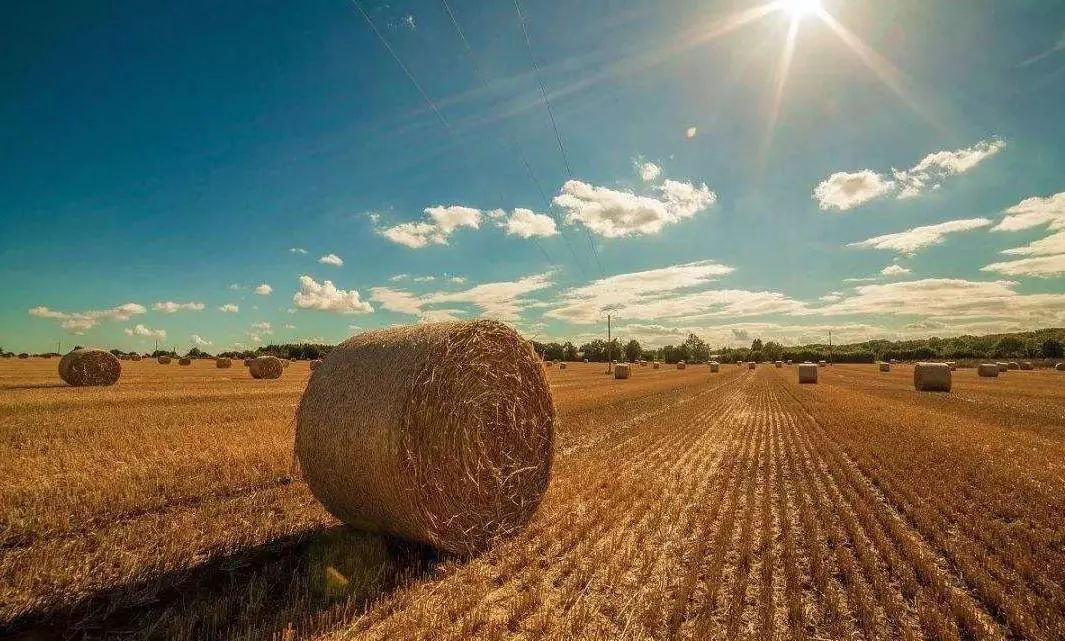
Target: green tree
{"x": 697, "y": 349}
{"x": 1009, "y": 346}
{"x": 756, "y": 345}
{"x": 633, "y": 351}
{"x": 1052, "y": 348}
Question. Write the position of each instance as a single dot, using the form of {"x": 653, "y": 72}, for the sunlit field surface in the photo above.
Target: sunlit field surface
{"x": 683, "y": 504}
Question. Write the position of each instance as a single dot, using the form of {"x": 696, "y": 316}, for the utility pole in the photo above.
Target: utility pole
{"x": 829, "y": 346}
{"x": 609, "y": 344}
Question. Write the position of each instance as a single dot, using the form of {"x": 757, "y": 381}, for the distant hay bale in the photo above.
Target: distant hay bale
{"x": 655, "y": 365}
{"x": 266, "y": 367}
{"x": 1026, "y": 365}
{"x": 931, "y": 377}
{"x": 163, "y": 360}
{"x": 1003, "y": 367}
{"x": 622, "y": 370}
{"x": 585, "y": 360}
{"x": 1060, "y": 367}
{"x": 778, "y": 364}
{"x": 952, "y": 365}
{"x": 185, "y": 360}
{"x": 223, "y": 363}
{"x": 822, "y": 363}
{"x": 135, "y": 357}
{"x": 681, "y": 365}
{"x": 549, "y": 363}
{"x": 891, "y": 361}
{"x": 751, "y": 365}
{"x": 441, "y": 433}
{"x": 23, "y": 355}
{"x": 715, "y": 367}
{"x": 86, "y": 367}
{"x": 1013, "y": 365}
{"x": 789, "y": 361}
{"x": 315, "y": 363}
{"x": 247, "y": 362}
{"x": 562, "y": 365}
{"x": 807, "y": 373}
{"x": 885, "y": 367}
{"x": 988, "y": 370}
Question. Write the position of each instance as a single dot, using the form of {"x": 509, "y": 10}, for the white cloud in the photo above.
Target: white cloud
{"x": 893, "y": 270}
{"x": 200, "y": 341}
{"x": 141, "y": 330}
{"x": 264, "y": 290}
{"x": 263, "y": 325}
{"x": 325, "y": 296}
{"x": 912, "y": 240}
{"x": 930, "y": 172}
{"x": 844, "y": 190}
{"x": 236, "y": 287}
{"x": 648, "y": 171}
{"x": 289, "y": 326}
{"x": 424, "y": 279}
{"x": 1058, "y": 46}
{"x": 443, "y": 221}
{"x": 1052, "y": 244}
{"x": 831, "y": 297}
{"x": 502, "y": 300}
{"x": 398, "y": 277}
{"x": 297, "y": 250}
{"x": 612, "y": 213}
{"x": 526, "y": 223}
{"x": 331, "y": 259}
{"x": 458, "y": 280}
{"x": 80, "y": 322}
{"x": 690, "y": 132}
{"x": 229, "y": 308}
{"x": 170, "y": 307}
{"x": 1038, "y": 266}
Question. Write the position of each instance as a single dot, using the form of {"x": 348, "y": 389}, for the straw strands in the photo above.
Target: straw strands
{"x": 85, "y": 367}
{"x": 440, "y": 433}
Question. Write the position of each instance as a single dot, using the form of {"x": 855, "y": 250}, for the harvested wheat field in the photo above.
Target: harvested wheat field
{"x": 682, "y": 504}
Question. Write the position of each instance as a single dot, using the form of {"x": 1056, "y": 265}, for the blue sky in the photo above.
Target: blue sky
{"x": 161, "y": 163}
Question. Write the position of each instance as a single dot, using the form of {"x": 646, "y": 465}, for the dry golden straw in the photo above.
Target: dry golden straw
{"x": 266, "y": 367}
{"x": 441, "y": 433}
{"x": 222, "y": 362}
{"x": 931, "y": 377}
{"x": 84, "y": 367}
{"x": 315, "y": 363}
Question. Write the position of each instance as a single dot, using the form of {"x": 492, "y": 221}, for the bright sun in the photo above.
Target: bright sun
{"x": 800, "y": 8}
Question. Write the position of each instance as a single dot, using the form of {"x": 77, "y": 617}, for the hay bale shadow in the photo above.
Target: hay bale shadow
{"x": 293, "y": 583}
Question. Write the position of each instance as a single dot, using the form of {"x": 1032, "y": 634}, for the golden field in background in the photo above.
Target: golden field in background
{"x": 683, "y": 504}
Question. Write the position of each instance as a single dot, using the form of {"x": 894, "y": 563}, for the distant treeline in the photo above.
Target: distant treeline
{"x": 1042, "y": 343}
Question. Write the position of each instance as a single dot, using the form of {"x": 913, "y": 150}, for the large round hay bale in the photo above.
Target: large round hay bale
{"x": 441, "y": 433}
{"x": 84, "y": 367}
{"x": 988, "y": 370}
{"x": 807, "y": 373}
{"x": 885, "y": 367}
{"x": 715, "y": 367}
{"x": 184, "y": 361}
{"x": 223, "y": 363}
{"x": 163, "y": 360}
{"x": 622, "y": 371}
{"x": 1025, "y": 365}
{"x": 931, "y": 377}
{"x": 1013, "y": 365}
{"x": 681, "y": 365}
{"x": 315, "y": 363}
{"x": 266, "y": 367}
{"x": 655, "y": 365}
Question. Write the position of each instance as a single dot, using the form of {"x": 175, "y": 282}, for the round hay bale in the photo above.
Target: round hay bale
{"x": 885, "y": 367}
{"x": 223, "y": 363}
{"x": 135, "y": 357}
{"x": 1013, "y": 365}
{"x": 715, "y": 367}
{"x": 85, "y": 367}
{"x": 266, "y": 367}
{"x": 681, "y": 365}
{"x": 184, "y": 361}
{"x": 315, "y": 363}
{"x": 807, "y": 373}
{"x": 822, "y": 363}
{"x": 1025, "y": 365}
{"x": 549, "y": 363}
{"x": 655, "y": 365}
{"x": 751, "y": 365}
{"x": 622, "y": 371}
{"x": 163, "y": 360}
{"x": 778, "y": 364}
{"x": 891, "y": 361}
{"x": 952, "y": 365}
{"x": 586, "y": 360}
{"x": 247, "y": 362}
{"x": 562, "y": 366}
{"x": 988, "y": 370}
{"x": 1060, "y": 367}
{"x": 1002, "y": 367}
{"x": 441, "y": 433}
{"x": 931, "y": 377}
{"x": 23, "y": 355}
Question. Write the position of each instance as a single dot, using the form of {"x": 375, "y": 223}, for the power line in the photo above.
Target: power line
{"x": 551, "y": 115}
{"x": 510, "y": 135}
{"x": 428, "y": 100}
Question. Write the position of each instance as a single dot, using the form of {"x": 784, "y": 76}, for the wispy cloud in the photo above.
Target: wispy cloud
{"x": 229, "y": 308}
{"x": 145, "y": 332}
{"x": 502, "y": 300}
{"x": 79, "y": 322}
{"x": 170, "y": 307}
{"x": 912, "y": 240}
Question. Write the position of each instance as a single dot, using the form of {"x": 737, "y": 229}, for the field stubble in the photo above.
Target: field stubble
{"x": 683, "y": 505}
